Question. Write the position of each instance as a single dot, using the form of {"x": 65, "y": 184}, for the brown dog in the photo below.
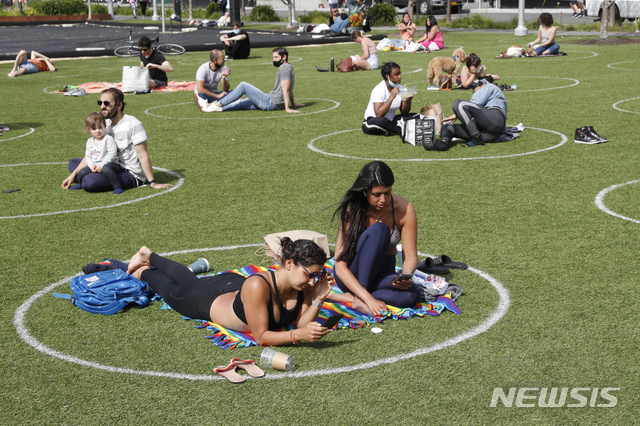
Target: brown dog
{"x": 440, "y": 65}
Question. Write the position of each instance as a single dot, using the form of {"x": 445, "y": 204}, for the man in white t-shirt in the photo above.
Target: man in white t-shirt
{"x": 208, "y": 76}
{"x": 131, "y": 140}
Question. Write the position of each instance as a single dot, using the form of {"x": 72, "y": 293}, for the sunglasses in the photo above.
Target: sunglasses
{"x": 106, "y": 103}
{"x": 314, "y": 275}
{"x": 144, "y": 49}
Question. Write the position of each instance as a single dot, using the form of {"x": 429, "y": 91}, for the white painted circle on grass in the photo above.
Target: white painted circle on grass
{"x": 20, "y": 315}
{"x": 312, "y": 147}
{"x": 220, "y": 115}
{"x": 600, "y": 200}
{"x": 161, "y": 192}
{"x": 5, "y": 136}
{"x": 612, "y": 65}
{"x": 615, "y": 106}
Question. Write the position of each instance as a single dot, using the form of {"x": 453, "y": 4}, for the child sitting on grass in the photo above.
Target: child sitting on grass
{"x": 101, "y": 153}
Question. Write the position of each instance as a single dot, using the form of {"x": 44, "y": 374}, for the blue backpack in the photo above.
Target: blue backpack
{"x": 107, "y": 292}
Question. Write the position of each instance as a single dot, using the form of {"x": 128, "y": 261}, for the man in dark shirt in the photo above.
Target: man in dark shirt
{"x": 236, "y": 44}
{"x": 156, "y": 63}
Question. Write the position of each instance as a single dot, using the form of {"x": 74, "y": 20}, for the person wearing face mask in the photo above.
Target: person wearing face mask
{"x": 380, "y": 116}
{"x": 281, "y": 97}
{"x": 208, "y": 76}
{"x": 236, "y": 44}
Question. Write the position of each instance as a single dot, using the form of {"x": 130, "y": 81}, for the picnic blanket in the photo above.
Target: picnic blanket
{"x": 172, "y": 86}
{"x": 231, "y": 339}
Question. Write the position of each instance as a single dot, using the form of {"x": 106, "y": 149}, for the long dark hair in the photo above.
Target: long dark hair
{"x": 302, "y": 252}
{"x": 353, "y": 207}
{"x": 431, "y": 20}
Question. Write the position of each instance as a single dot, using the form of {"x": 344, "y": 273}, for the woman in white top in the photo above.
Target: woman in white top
{"x": 546, "y": 40}
{"x": 369, "y": 58}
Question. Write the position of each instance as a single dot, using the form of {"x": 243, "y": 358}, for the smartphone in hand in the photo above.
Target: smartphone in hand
{"x": 402, "y": 277}
{"x": 332, "y": 320}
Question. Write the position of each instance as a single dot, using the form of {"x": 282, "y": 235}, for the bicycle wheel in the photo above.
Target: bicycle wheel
{"x": 126, "y": 51}
{"x": 171, "y": 49}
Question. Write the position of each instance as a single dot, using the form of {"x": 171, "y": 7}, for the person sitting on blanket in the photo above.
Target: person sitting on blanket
{"x": 407, "y": 28}
{"x": 369, "y": 58}
{"x": 483, "y": 118}
{"x": 373, "y": 221}
{"x": 154, "y": 61}
{"x": 473, "y": 71}
{"x": 133, "y": 156}
{"x": 380, "y": 116}
{"x": 281, "y": 97}
{"x": 262, "y": 304}
{"x": 208, "y": 76}
{"x": 432, "y": 38}
{"x": 37, "y": 63}
{"x": 546, "y": 38}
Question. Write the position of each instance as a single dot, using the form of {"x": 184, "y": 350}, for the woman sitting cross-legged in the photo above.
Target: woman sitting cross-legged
{"x": 262, "y": 304}
{"x": 373, "y": 220}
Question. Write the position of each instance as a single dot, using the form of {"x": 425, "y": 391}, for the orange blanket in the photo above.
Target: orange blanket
{"x": 172, "y": 86}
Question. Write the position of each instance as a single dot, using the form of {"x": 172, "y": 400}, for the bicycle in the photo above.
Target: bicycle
{"x": 133, "y": 50}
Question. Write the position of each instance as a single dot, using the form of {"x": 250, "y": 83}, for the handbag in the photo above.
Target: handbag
{"x": 135, "y": 79}
{"x": 418, "y": 130}
{"x": 273, "y": 249}
{"x": 345, "y": 65}
{"x": 446, "y": 82}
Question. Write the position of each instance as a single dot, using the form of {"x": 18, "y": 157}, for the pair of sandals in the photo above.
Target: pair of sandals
{"x": 440, "y": 265}
{"x": 229, "y": 371}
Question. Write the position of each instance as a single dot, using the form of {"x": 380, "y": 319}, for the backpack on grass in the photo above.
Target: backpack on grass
{"x": 107, "y": 292}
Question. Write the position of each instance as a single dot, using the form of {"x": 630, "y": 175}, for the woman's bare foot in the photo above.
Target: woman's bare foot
{"x": 340, "y": 298}
{"x": 138, "y": 272}
{"x": 141, "y": 258}
{"x": 359, "y": 305}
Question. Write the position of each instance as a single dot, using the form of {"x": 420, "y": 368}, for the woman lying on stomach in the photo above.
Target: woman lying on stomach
{"x": 262, "y": 304}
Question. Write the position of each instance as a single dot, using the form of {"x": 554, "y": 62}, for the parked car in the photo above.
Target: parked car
{"x": 625, "y": 9}
{"x": 426, "y": 7}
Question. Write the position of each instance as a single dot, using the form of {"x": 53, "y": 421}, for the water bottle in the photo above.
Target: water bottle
{"x": 332, "y": 65}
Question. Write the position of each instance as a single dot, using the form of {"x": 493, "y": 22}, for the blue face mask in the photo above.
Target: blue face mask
{"x": 236, "y": 31}
{"x": 393, "y": 85}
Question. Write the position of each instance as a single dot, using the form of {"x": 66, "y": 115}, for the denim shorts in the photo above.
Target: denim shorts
{"x": 30, "y": 66}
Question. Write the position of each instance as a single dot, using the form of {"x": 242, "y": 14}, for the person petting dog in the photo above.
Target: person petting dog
{"x": 483, "y": 118}
{"x": 474, "y": 70}
{"x": 380, "y": 116}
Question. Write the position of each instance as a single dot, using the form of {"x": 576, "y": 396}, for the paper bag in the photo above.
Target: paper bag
{"x": 135, "y": 79}
{"x": 434, "y": 111}
{"x": 273, "y": 249}
{"x": 418, "y": 131}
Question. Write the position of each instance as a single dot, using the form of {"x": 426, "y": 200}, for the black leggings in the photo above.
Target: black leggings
{"x": 109, "y": 170}
{"x": 380, "y": 126}
{"x": 184, "y": 291}
{"x": 489, "y": 123}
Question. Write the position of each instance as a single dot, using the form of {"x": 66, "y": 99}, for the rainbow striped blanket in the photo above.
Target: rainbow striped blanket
{"x": 231, "y": 339}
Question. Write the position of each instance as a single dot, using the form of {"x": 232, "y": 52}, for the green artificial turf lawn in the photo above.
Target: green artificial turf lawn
{"x": 522, "y": 214}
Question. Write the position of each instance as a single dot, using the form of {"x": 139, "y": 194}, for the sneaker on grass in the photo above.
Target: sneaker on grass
{"x": 583, "y": 136}
{"x": 593, "y": 134}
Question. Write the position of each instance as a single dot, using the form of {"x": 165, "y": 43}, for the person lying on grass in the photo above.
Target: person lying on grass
{"x": 373, "y": 220}
{"x": 262, "y": 304}
{"x": 37, "y": 63}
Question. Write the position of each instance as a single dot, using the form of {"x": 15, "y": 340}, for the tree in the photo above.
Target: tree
{"x": 410, "y": 7}
{"x": 608, "y": 6}
{"x": 448, "y": 20}
{"x": 289, "y": 4}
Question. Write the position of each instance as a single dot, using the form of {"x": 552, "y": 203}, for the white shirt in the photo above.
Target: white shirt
{"x": 128, "y": 133}
{"x": 381, "y": 94}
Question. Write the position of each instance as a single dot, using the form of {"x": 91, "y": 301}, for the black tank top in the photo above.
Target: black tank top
{"x": 287, "y": 317}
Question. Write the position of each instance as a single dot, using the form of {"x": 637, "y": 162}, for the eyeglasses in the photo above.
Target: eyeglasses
{"x": 314, "y": 275}
{"x": 106, "y": 103}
